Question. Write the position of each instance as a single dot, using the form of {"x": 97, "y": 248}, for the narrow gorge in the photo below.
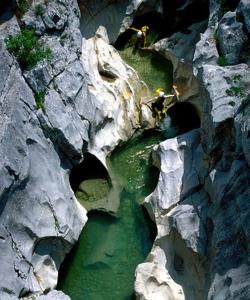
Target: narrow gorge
{"x": 100, "y": 197}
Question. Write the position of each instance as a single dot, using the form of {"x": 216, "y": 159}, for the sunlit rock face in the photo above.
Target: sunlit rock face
{"x": 114, "y": 92}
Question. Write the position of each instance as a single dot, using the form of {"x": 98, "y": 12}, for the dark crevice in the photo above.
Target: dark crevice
{"x": 179, "y": 15}
{"x": 7, "y": 10}
{"x": 175, "y": 18}
{"x": 228, "y": 5}
{"x": 91, "y": 167}
{"x": 184, "y": 117}
{"x": 153, "y": 20}
{"x": 151, "y": 225}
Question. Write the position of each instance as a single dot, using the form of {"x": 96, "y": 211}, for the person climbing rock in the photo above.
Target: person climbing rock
{"x": 160, "y": 104}
{"x": 141, "y": 36}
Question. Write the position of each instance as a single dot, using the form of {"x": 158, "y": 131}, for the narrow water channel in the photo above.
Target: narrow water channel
{"x": 102, "y": 264}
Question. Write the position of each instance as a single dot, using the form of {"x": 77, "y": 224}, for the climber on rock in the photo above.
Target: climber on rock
{"x": 141, "y": 35}
{"x": 160, "y": 104}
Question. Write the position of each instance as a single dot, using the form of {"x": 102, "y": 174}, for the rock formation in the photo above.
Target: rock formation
{"x": 200, "y": 202}
{"x": 91, "y": 104}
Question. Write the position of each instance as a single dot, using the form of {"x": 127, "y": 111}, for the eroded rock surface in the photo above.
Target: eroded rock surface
{"x": 114, "y": 93}
{"x": 200, "y": 202}
{"x": 115, "y": 16}
{"x": 231, "y": 38}
{"x": 91, "y": 104}
{"x": 40, "y": 217}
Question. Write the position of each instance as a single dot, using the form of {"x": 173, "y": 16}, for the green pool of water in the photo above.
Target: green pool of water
{"x": 151, "y": 67}
{"x": 102, "y": 264}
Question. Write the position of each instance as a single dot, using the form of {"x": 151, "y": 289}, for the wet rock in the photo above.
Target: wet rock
{"x": 231, "y": 38}
{"x": 232, "y": 285}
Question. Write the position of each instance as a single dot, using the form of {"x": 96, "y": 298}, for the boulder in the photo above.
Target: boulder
{"x": 153, "y": 280}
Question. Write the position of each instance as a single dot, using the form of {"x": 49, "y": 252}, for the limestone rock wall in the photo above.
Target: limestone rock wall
{"x": 201, "y": 202}
{"x": 114, "y": 94}
{"x": 91, "y": 104}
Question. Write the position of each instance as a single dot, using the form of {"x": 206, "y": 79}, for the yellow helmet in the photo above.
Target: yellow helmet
{"x": 157, "y": 91}
{"x": 144, "y": 28}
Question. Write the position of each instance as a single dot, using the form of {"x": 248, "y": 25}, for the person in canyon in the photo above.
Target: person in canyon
{"x": 141, "y": 35}
{"x": 160, "y": 104}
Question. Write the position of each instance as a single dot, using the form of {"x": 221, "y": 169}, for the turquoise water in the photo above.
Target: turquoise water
{"x": 102, "y": 264}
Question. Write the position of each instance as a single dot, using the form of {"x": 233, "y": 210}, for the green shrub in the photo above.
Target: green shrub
{"x": 222, "y": 61}
{"x": 235, "y": 91}
{"x": 39, "y": 97}
{"x": 237, "y": 77}
{"x": 62, "y": 39}
{"x": 27, "y": 49}
{"x": 39, "y": 9}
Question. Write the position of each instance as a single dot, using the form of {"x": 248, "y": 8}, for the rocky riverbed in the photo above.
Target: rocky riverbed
{"x": 91, "y": 105}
